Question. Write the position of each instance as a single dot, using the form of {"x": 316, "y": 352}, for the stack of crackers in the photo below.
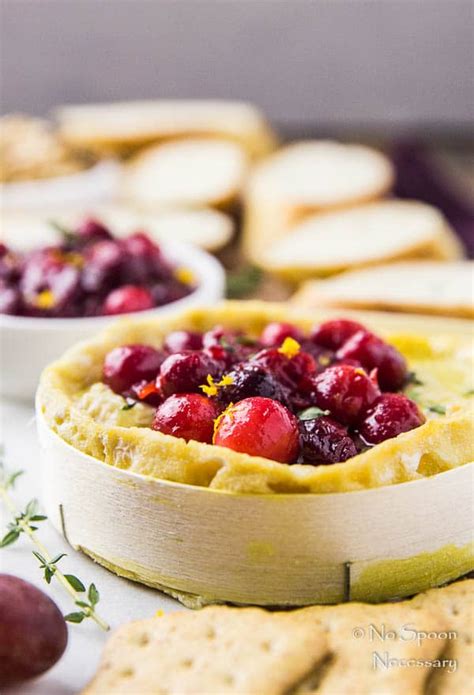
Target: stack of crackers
{"x": 424, "y": 645}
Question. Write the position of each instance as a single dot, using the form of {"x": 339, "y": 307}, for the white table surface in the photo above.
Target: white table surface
{"x": 120, "y": 600}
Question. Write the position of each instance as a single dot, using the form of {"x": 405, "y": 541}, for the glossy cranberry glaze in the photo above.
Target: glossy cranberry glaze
{"x": 391, "y": 415}
{"x": 90, "y": 273}
{"x": 188, "y": 416}
{"x": 293, "y": 401}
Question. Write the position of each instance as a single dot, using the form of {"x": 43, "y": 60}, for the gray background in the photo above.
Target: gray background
{"x": 388, "y": 64}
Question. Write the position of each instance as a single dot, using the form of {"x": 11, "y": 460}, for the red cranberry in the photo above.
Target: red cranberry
{"x": 10, "y": 300}
{"x": 188, "y": 416}
{"x": 183, "y": 340}
{"x": 345, "y": 391}
{"x": 104, "y": 261}
{"x": 259, "y": 427}
{"x": 185, "y": 372}
{"x": 127, "y": 299}
{"x": 92, "y": 230}
{"x": 46, "y": 271}
{"x": 248, "y": 380}
{"x": 372, "y": 352}
{"x": 145, "y": 262}
{"x": 288, "y": 370}
{"x": 390, "y": 415}
{"x": 275, "y": 333}
{"x": 332, "y": 334}
{"x": 323, "y": 441}
{"x": 128, "y": 364}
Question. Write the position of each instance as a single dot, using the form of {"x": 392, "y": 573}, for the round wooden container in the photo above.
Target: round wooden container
{"x": 202, "y": 545}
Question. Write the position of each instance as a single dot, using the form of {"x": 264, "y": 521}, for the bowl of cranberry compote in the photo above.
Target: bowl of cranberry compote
{"x": 51, "y": 297}
{"x": 245, "y": 453}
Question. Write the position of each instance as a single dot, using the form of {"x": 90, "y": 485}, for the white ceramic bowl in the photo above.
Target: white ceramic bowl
{"x": 27, "y": 345}
{"x": 98, "y": 184}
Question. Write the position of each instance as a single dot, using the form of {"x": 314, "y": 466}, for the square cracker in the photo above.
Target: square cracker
{"x": 215, "y": 650}
{"x": 456, "y": 605}
{"x": 361, "y": 638}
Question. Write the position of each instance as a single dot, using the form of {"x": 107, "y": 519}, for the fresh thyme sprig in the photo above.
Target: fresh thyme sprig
{"x": 23, "y": 522}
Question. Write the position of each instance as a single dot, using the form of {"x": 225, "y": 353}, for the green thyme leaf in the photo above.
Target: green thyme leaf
{"x": 435, "y": 408}
{"x": 77, "y": 617}
{"x": 66, "y": 233}
{"x": 82, "y": 604}
{"x": 76, "y": 583}
{"x": 10, "y": 481}
{"x": 243, "y": 282}
{"x": 10, "y": 538}
{"x": 129, "y": 403}
{"x": 93, "y": 595}
{"x": 312, "y": 413}
{"x": 413, "y": 379}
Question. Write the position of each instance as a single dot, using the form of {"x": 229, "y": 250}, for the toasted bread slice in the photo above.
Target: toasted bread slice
{"x": 209, "y": 229}
{"x": 430, "y": 287}
{"x": 390, "y": 230}
{"x": 307, "y": 177}
{"x": 122, "y": 127}
{"x": 191, "y": 172}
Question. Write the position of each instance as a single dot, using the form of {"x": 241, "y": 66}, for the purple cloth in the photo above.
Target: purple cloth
{"x": 418, "y": 177}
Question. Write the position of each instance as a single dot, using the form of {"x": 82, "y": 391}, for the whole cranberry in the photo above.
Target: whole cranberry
{"x": 185, "y": 372}
{"x": 332, "y": 334}
{"x": 144, "y": 262}
{"x": 275, "y": 333}
{"x": 374, "y": 353}
{"x": 129, "y": 364}
{"x": 182, "y": 340}
{"x": 127, "y": 299}
{"x": 390, "y": 415}
{"x": 323, "y": 441}
{"x": 102, "y": 267}
{"x": 288, "y": 370}
{"x": 345, "y": 391}
{"x": 10, "y": 300}
{"x": 91, "y": 229}
{"x": 259, "y": 427}
{"x": 249, "y": 380}
{"x": 187, "y": 416}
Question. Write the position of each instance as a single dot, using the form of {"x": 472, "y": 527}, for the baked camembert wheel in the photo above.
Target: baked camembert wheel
{"x": 246, "y": 398}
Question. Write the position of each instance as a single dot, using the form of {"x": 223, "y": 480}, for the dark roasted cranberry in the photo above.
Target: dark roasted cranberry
{"x": 372, "y": 352}
{"x": 222, "y": 359}
{"x": 249, "y": 380}
{"x": 185, "y": 372}
{"x": 345, "y": 391}
{"x": 332, "y": 334}
{"x": 129, "y": 364}
{"x": 183, "y": 340}
{"x": 275, "y": 333}
{"x": 103, "y": 263}
{"x": 322, "y": 356}
{"x": 10, "y": 265}
{"x": 126, "y": 299}
{"x": 49, "y": 285}
{"x": 259, "y": 427}
{"x": 323, "y": 441}
{"x": 390, "y": 415}
{"x": 92, "y": 230}
{"x": 187, "y": 416}
{"x": 288, "y": 370}
{"x": 145, "y": 262}
{"x": 10, "y": 300}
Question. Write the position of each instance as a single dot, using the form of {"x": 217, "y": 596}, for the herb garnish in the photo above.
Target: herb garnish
{"x": 65, "y": 232}
{"x": 243, "y": 282}
{"x": 312, "y": 413}
{"x": 129, "y": 403}
{"x": 24, "y": 522}
{"x": 413, "y": 379}
{"x": 435, "y": 408}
